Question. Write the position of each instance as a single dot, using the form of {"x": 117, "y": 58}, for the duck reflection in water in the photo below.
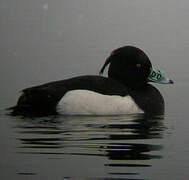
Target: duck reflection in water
{"x": 126, "y": 144}
{"x": 126, "y": 141}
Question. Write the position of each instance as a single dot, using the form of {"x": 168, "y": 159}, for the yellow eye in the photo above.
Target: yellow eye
{"x": 138, "y": 65}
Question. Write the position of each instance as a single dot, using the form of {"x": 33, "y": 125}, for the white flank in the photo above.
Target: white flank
{"x": 84, "y": 102}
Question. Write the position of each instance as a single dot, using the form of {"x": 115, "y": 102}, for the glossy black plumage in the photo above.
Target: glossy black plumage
{"x": 43, "y": 99}
{"x": 129, "y": 69}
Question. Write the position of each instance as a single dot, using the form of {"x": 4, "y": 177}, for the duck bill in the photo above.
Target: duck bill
{"x": 158, "y": 77}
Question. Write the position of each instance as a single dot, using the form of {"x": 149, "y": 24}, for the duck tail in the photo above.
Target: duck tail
{"x": 21, "y": 107}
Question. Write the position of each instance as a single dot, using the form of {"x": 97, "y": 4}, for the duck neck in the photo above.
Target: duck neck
{"x": 135, "y": 85}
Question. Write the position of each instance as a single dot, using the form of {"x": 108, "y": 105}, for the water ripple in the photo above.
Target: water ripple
{"x": 125, "y": 141}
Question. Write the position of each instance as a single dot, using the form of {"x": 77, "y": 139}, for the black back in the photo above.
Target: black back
{"x": 44, "y": 98}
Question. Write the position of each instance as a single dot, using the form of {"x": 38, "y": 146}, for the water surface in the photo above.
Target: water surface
{"x": 86, "y": 147}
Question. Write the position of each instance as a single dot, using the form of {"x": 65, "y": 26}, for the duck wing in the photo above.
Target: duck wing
{"x": 43, "y": 99}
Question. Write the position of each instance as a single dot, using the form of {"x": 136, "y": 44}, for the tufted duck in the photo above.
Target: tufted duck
{"x": 125, "y": 91}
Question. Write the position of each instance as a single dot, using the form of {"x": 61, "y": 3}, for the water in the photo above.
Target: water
{"x": 84, "y": 147}
{"x": 45, "y": 40}
{"x": 92, "y": 147}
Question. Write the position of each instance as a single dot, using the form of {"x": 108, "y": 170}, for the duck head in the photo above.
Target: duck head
{"x": 132, "y": 67}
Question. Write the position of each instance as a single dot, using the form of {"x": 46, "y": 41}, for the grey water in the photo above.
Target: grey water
{"x": 42, "y": 41}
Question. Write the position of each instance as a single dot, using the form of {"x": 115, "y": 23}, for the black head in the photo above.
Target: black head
{"x": 129, "y": 65}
